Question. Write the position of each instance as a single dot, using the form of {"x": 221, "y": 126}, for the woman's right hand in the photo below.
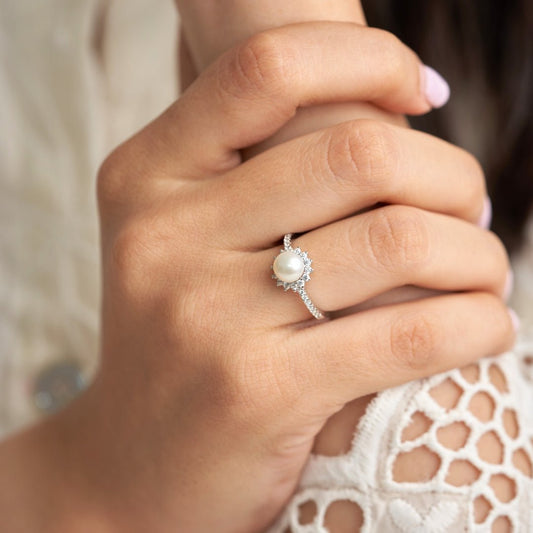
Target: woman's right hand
{"x": 214, "y": 382}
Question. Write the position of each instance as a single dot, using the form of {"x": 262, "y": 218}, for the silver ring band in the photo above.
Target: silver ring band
{"x": 292, "y": 269}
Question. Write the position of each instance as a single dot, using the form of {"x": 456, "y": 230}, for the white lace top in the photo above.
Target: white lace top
{"x": 434, "y": 502}
{"x": 76, "y": 78}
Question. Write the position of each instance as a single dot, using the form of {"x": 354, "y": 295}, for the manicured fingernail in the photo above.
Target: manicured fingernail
{"x": 509, "y": 282}
{"x": 486, "y": 217}
{"x": 436, "y": 88}
{"x": 514, "y": 319}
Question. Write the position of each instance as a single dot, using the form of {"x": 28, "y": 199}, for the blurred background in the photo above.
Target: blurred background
{"x": 77, "y": 77}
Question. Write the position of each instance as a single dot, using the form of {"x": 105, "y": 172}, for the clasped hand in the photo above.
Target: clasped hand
{"x": 214, "y": 382}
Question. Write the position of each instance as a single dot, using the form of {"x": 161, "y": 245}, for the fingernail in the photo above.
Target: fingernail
{"x": 509, "y": 282}
{"x": 514, "y": 319}
{"x": 436, "y": 88}
{"x": 486, "y": 217}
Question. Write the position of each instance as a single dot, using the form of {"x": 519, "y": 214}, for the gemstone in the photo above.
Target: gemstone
{"x": 288, "y": 266}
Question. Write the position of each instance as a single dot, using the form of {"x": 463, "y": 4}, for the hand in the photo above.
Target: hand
{"x": 216, "y": 20}
{"x": 214, "y": 382}
{"x": 195, "y": 328}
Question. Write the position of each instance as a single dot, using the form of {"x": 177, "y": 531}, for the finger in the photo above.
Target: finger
{"x": 256, "y": 87}
{"x": 383, "y": 347}
{"x": 325, "y": 176}
{"x": 363, "y": 256}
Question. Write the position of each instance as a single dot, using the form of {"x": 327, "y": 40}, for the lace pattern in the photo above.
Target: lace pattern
{"x": 461, "y": 442}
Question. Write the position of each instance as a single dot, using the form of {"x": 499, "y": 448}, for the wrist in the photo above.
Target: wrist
{"x": 44, "y": 486}
{"x": 213, "y": 26}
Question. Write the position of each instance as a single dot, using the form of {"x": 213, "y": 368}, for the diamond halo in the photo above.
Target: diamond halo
{"x": 299, "y": 284}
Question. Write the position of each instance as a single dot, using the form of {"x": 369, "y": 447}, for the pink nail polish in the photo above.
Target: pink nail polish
{"x": 486, "y": 217}
{"x": 509, "y": 282}
{"x": 514, "y": 319}
{"x": 436, "y": 88}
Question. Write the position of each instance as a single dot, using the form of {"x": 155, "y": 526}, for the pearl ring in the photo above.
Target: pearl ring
{"x": 292, "y": 269}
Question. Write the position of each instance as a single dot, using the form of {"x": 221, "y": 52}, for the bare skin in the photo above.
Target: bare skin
{"x": 191, "y": 358}
{"x": 208, "y": 29}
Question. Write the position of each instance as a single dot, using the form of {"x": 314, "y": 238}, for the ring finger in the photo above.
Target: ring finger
{"x": 360, "y": 257}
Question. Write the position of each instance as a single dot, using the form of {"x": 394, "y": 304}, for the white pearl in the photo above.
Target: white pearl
{"x": 288, "y": 266}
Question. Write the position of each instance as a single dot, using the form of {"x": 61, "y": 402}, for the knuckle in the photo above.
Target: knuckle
{"x": 499, "y": 247}
{"x": 473, "y": 185}
{"x": 388, "y": 41}
{"x": 500, "y": 258}
{"x": 118, "y": 179}
{"x": 414, "y": 339}
{"x": 362, "y": 154}
{"x": 110, "y": 181}
{"x": 398, "y": 238}
{"x": 259, "y": 66}
{"x": 497, "y": 318}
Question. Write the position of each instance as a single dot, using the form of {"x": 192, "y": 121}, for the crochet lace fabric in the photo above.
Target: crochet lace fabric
{"x": 439, "y": 428}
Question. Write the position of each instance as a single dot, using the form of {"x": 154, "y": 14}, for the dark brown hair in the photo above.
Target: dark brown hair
{"x": 484, "y": 48}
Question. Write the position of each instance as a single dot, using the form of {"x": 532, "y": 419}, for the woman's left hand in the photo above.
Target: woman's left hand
{"x": 212, "y": 385}
{"x": 213, "y": 372}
